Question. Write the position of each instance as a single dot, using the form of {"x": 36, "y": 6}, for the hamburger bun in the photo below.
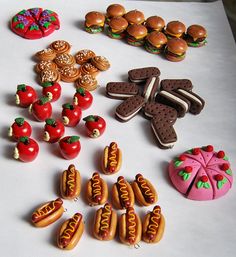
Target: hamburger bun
{"x": 115, "y": 10}
{"x": 175, "y": 49}
{"x": 134, "y": 17}
{"x": 175, "y": 29}
{"x": 157, "y": 39}
{"x": 94, "y": 18}
{"x": 137, "y": 31}
{"x": 196, "y": 35}
{"x": 118, "y": 24}
{"x": 155, "y": 23}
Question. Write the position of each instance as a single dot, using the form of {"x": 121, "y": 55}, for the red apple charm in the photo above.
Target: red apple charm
{"x": 53, "y": 130}
{"x": 95, "y": 125}
{"x": 69, "y": 147}
{"x": 26, "y": 149}
{"x": 25, "y": 95}
{"x": 71, "y": 114}
{"x": 52, "y": 90}
{"x": 83, "y": 98}
{"x": 19, "y": 128}
{"x": 41, "y": 109}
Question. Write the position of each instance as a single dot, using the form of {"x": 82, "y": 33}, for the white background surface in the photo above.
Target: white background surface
{"x": 192, "y": 228}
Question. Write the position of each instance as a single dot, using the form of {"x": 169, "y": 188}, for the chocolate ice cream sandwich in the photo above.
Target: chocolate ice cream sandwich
{"x": 142, "y": 74}
{"x": 129, "y": 108}
{"x": 150, "y": 88}
{"x": 174, "y": 84}
{"x": 121, "y": 90}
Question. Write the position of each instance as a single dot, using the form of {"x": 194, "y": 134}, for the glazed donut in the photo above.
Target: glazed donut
{"x": 112, "y": 159}
{"x": 130, "y": 227}
{"x": 96, "y": 190}
{"x": 70, "y": 185}
{"x": 153, "y": 226}
{"x": 70, "y": 232}
{"x": 144, "y": 191}
{"x": 105, "y": 223}
{"x": 48, "y": 213}
{"x": 122, "y": 194}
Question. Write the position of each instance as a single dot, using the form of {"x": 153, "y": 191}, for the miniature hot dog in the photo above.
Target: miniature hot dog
{"x": 130, "y": 227}
{"x": 112, "y": 159}
{"x": 96, "y": 190}
{"x": 70, "y": 185}
{"x": 122, "y": 194}
{"x": 70, "y": 232}
{"x": 144, "y": 191}
{"x": 48, "y": 213}
{"x": 153, "y": 226}
{"x": 105, "y": 223}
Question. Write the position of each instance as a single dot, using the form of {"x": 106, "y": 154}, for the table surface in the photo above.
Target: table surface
{"x": 192, "y": 228}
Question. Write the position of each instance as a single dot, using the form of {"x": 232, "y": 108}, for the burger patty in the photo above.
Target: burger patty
{"x": 190, "y": 39}
{"x": 173, "y": 54}
{"x": 152, "y": 48}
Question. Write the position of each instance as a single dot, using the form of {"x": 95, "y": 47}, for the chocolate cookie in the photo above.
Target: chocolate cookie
{"x": 181, "y": 104}
{"x": 163, "y": 111}
{"x": 164, "y": 133}
{"x": 196, "y": 102}
{"x": 150, "y": 88}
{"x": 174, "y": 84}
{"x": 129, "y": 108}
{"x": 121, "y": 90}
{"x": 141, "y": 74}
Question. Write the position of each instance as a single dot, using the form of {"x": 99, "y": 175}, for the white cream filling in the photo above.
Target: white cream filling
{"x": 119, "y": 95}
{"x": 186, "y": 93}
{"x": 177, "y": 99}
{"x": 149, "y": 89}
{"x": 158, "y": 138}
{"x": 137, "y": 80}
{"x": 128, "y": 117}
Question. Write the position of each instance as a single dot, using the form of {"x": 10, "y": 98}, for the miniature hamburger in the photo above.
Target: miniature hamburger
{"x": 136, "y": 34}
{"x": 175, "y": 29}
{"x": 134, "y": 17}
{"x": 94, "y": 22}
{"x": 114, "y": 10}
{"x": 155, "y": 23}
{"x": 117, "y": 27}
{"x": 175, "y": 49}
{"x": 196, "y": 36}
{"x": 155, "y": 42}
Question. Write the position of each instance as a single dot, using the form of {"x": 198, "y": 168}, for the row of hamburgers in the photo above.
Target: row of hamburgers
{"x": 153, "y": 33}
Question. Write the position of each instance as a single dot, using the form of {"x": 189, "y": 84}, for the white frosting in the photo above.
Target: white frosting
{"x": 164, "y": 144}
{"x": 149, "y": 89}
{"x": 177, "y": 99}
{"x": 186, "y": 93}
{"x": 128, "y": 117}
{"x": 119, "y": 95}
{"x": 137, "y": 80}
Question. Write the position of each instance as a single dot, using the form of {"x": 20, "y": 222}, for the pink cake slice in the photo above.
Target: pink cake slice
{"x": 219, "y": 168}
{"x": 207, "y": 153}
{"x": 201, "y": 188}
{"x": 218, "y": 158}
{"x": 195, "y": 154}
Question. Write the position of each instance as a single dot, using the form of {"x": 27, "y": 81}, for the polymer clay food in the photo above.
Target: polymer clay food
{"x": 48, "y": 213}
{"x": 96, "y": 190}
{"x": 52, "y": 90}
{"x": 155, "y": 42}
{"x": 105, "y": 223}
{"x": 53, "y": 130}
{"x": 19, "y": 128}
{"x": 83, "y": 98}
{"x": 130, "y": 227}
{"x": 175, "y": 29}
{"x": 35, "y": 23}
{"x": 153, "y": 226}
{"x": 117, "y": 27}
{"x": 84, "y": 56}
{"x": 134, "y": 17}
{"x": 70, "y": 232}
{"x": 70, "y": 184}
{"x": 88, "y": 82}
{"x": 71, "y": 114}
{"x": 60, "y": 46}
{"x": 201, "y": 173}
{"x": 122, "y": 194}
{"x": 41, "y": 109}
{"x": 196, "y": 35}
{"x": 100, "y": 62}
{"x": 25, "y": 95}
{"x": 26, "y": 149}
{"x": 95, "y": 125}
{"x": 121, "y": 90}
{"x": 94, "y": 22}
{"x": 140, "y": 75}
{"x": 69, "y": 73}
{"x": 45, "y": 65}
{"x": 151, "y": 88}
{"x": 88, "y": 68}
{"x": 111, "y": 159}
{"x": 114, "y": 11}
{"x": 144, "y": 191}
{"x": 175, "y": 50}
{"x": 69, "y": 147}
{"x": 154, "y": 23}
{"x": 47, "y": 54}
{"x": 136, "y": 34}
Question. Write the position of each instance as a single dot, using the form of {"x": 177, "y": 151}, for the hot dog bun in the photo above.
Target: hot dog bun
{"x": 130, "y": 235}
{"x": 96, "y": 190}
{"x": 73, "y": 225}
{"x": 105, "y": 223}
{"x": 112, "y": 159}
{"x": 144, "y": 191}
{"x": 48, "y": 213}
{"x": 70, "y": 185}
